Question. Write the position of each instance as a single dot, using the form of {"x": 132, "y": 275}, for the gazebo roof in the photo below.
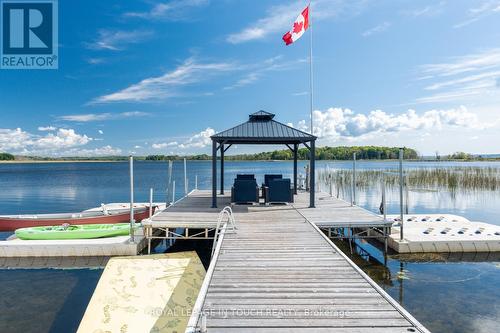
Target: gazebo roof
{"x": 261, "y": 128}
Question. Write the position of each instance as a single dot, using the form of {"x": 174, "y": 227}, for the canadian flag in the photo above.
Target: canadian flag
{"x": 299, "y": 27}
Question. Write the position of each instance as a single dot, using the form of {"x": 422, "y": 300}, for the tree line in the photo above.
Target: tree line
{"x": 322, "y": 153}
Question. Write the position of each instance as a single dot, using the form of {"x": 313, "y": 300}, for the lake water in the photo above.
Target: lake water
{"x": 447, "y": 294}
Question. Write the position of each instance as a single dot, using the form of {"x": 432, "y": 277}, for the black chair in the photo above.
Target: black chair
{"x": 268, "y": 178}
{"x": 245, "y": 176}
{"x": 279, "y": 191}
{"x": 244, "y": 191}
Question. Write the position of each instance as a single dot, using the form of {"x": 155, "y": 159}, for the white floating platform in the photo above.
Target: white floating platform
{"x": 444, "y": 233}
{"x": 145, "y": 294}
{"x": 113, "y": 246}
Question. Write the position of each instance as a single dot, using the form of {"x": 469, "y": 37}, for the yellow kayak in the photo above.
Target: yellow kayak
{"x": 154, "y": 293}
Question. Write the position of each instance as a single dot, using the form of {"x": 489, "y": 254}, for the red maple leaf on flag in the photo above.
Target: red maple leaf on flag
{"x": 300, "y": 26}
{"x": 297, "y": 27}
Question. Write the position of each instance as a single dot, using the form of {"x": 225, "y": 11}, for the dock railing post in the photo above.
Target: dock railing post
{"x": 401, "y": 180}
{"x": 150, "y": 202}
{"x": 195, "y": 182}
{"x": 307, "y": 177}
{"x": 170, "y": 163}
{"x": 384, "y": 208}
{"x": 353, "y": 192}
{"x": 131, "y": 165}
{"x": 331, "y": 185}
{"x": 173, "y": 192}
{"x": 407, "y": 195}
{"x": 185, "y": 178}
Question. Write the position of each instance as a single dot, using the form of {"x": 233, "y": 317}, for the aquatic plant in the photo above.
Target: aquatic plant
{"x": 448, "y": 178}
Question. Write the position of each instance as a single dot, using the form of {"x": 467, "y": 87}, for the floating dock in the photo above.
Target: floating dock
{"x": 280, "y": 273}
{"x": 112, "y": 246}
{"x": 443, "y": 233}
{"x": 145, "y": 294}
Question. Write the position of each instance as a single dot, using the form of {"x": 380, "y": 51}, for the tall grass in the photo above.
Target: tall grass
{"x": 450, "y": 178}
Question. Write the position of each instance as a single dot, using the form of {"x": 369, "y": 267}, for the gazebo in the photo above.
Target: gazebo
{"x": 261, "y": 129}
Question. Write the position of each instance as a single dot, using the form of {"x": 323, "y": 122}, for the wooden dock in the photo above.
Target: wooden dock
{"x": 280, "y": 273}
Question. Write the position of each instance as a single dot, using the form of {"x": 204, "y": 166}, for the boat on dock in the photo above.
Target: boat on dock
{"x": 107, "y": 214}
{"x": 66, "y": 231}
{"x": 116, "y": 207}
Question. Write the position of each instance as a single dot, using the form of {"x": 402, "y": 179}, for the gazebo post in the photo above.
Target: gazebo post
{"x": 221, "y": 168}
{"x": 295, "y": 151}
{"x": 312, "y": 173}
{"x": 214, "y": 174}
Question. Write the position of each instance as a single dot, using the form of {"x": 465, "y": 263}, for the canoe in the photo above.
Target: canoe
{"x": 85, "y": 231}
{"x": 143, "y": 294}
{"x": 13, "y": 222}
{"x": 115, "y": 207}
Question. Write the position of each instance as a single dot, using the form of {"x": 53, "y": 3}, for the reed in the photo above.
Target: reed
{"x": 450, "y": 178}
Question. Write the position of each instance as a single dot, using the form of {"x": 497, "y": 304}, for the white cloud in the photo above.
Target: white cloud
{"x": 244, "y": 81}
{"x": 278, "y": 19}
{"x": 101, "y": 151}
{"x": 88, "y": 117}
{"x": 376, "y": 29}
{"x": 258, "y": 70}
{"x": 63, "y": 142}
{"x": 338, "y": 123}
{"x": 165, "y": 145}
{"x": 172, "y": 10}
{"x": 469, "y": 63}
{"x": 117, "y": 40}
{"x": 64, "y": 138}
{"x": 493, "y": 75}
{"x": 485, "y": 9}
{"x": 46, "y": 128}
{"x": 13, "y": 139}
{"x": 427, "y": 11}
{"x": 95, "y": 61}
{"x": 198, "y": 140}
{"x": 100, "y": 132}
{"x": 471, "y": 77}
{"x": 164, "y": 86}
{"x": 17, "y": 140}
{"x": 192, "y": 72}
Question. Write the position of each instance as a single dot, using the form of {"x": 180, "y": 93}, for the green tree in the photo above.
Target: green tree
{"x": 6, "y": 157}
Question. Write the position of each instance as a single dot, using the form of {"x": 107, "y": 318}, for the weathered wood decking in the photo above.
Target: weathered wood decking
{"x": 280, "y": 273}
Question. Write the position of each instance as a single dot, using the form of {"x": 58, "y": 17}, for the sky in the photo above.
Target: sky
{"x": 159, "y": 77}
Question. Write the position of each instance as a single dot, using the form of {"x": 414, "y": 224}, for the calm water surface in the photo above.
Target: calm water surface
{"x": 447, "y": 294}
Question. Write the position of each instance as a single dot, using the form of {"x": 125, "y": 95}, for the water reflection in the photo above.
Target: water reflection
{"x": 45, "y": 300}
{"x": 446, "y": 292}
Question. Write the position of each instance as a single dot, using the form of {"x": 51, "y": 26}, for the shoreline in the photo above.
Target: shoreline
{"x": 58, "y": 161}
{"x": 155, "y": 161}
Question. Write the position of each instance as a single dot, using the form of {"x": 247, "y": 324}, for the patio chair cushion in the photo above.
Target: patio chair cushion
{"x": 245, "y": 176}
{"x": 279, "y": 190}
{"x": 245, "y": 190}
{"x": 267, "y": 178}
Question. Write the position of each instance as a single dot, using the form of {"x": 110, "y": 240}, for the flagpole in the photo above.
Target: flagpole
{"x": 311, "y": 67}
